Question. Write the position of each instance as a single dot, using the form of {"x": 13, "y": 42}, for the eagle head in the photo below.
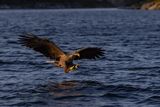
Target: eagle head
{"x": 75, "y": 55}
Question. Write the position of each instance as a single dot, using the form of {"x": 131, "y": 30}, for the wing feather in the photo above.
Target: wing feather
{"x": 42, "y": 45}
{"x": 89, "y": 53}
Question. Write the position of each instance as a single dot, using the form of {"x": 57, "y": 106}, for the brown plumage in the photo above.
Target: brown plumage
{"x": 62, "y": 59}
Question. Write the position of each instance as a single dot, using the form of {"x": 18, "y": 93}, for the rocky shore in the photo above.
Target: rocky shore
{"x": 152, "y": 5}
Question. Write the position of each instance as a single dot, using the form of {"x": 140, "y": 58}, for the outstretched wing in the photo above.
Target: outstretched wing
{"x": 42, "y": 45}
{"x": 89, "y": 53}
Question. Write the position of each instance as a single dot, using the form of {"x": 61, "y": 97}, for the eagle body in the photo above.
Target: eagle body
{"x": 66, "y": 62}
{"x": 57, "y": 56}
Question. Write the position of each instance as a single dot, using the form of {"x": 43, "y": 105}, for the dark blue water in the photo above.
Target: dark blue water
{"x": 127, "y": 76}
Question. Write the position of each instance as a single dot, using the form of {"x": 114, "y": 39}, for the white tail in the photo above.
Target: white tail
{"x": 50, "y": 62}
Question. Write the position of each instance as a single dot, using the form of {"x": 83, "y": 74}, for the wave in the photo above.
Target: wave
{"x": 154, "y": 100}
{"x": 86, "y": 88}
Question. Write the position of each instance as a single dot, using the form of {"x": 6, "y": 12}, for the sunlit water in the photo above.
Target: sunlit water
{"x": 127, "y": 76}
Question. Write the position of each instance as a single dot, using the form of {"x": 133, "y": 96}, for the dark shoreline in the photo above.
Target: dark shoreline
{"x": 69, "y": 9}
{"x": 79, "y": 4}
{"x": 60, "y": 4}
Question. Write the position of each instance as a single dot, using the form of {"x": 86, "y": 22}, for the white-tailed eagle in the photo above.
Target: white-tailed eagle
{"x": 61, "y": 59}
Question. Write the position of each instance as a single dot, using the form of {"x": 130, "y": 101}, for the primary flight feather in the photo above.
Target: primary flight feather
{"x": 61, "y": 59}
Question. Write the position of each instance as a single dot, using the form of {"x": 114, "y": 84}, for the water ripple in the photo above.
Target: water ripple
{"x": 127, "y": 76}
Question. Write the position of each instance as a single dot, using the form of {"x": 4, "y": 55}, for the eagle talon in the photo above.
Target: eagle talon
{"x": 74, "y": 67}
